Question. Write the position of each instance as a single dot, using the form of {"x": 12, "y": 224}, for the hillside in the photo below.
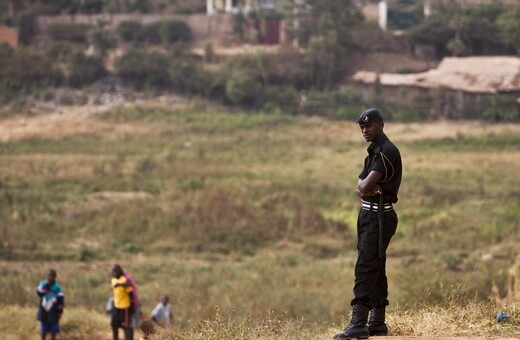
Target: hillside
{"x": 255, "y": 214}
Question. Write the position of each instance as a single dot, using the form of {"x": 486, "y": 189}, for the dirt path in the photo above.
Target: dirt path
{"x": 69, "y": 121}
{"x": 80, "y": 120}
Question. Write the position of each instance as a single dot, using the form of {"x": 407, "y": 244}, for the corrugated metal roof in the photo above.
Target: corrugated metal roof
{"x": 469, "y": 74}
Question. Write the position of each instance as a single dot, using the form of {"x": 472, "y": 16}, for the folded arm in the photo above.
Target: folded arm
{"x": 368, "y": 186}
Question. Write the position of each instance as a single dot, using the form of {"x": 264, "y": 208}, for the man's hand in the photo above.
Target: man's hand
{"x": 376, "y": 191}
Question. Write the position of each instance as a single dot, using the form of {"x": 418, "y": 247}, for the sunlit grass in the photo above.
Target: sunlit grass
{"x": 256, "y": 214}
{"x": 435, "y": 321}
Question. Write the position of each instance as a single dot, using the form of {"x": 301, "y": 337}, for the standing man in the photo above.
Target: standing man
{"x": 377, "y": 187}
{"x": 51, "y": 305}
{"x": 123, "y": 304}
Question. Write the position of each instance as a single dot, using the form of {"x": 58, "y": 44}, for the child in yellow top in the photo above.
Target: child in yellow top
{"x": 121, "y": 292}
{"x": 123, "y": 304}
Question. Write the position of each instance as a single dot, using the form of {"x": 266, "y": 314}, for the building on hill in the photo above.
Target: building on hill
{"x": 266, "y": 29}
{"x": 8, "y": 36}
{"x": 402, "y": 14}
{"x": 245, "y": 6}
{"x": 465, "y": 88}
{"x": 437, "y": 3}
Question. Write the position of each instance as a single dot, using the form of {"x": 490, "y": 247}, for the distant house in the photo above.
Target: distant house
{"x": 264, "y": 29}
{"x": 235, "y": 6}
{"x": 393, "y": 14}
{"x": 437, "y": 3}
{"x": 457, "y": 88}
{"x": 8, "y": 36}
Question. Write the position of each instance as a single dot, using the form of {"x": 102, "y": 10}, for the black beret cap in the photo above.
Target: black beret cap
{"x": 369, "y": 116}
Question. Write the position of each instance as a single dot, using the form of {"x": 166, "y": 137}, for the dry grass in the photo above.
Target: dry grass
{"x": 284, "y": 186}
{"x": 19, "y": 323}
{"x": 433, "y": 322}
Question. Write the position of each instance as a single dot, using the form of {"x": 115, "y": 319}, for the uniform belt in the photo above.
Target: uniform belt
{"x": 371, "y": 206}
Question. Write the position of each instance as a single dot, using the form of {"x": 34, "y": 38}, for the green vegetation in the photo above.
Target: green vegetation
{"x": 56, "y": 7}
{"x": 477, "y": 30}
{"x": 155, "y": 58}
{"x": 255, "y": 214}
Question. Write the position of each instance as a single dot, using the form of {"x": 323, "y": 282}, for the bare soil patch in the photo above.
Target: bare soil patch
{"x": 70, "y": 121}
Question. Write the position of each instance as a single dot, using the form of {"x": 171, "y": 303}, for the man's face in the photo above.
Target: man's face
{"x": 371, "y": 130}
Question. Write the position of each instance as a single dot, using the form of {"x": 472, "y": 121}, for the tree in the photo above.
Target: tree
{"x": 470, "y": 30}
{"x": 173, "y": 31}
{"x": 130, "y": 31}
{"x": 509, "y": 28}
{"x": 326, "y": 60}
{"x": 243, "y": 88}
{"x": 319, "y": 17}
{"x": 144, "y": 69}
{"x": 326, "y": 27}
{"x": 26, "y": 27}
{"x": 457, "y": 47}
{"x": 84, "y": 69}
{"x": 101, "y": 39}
{"x": 26, "y": 69}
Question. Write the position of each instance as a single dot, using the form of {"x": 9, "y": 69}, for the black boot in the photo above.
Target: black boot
{"x": 358, "y": 325}
{"x": 376, "y": 324}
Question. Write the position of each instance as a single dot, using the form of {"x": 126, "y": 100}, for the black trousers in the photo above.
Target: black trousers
{"x": 371, "y": 286}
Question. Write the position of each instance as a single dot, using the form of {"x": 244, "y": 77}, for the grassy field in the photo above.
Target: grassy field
{"x": 253, "y": 214}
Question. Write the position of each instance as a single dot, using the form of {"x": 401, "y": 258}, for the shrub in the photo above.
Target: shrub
{"x": 285, "y": 98}
{"x": 189, "y": 6}
{"x": 186, "y": 75}
{"x": 167, "y": 32}
{"x": 209, "y": 52}
{"x": 501, "y": 108}
{"x": 28, "y": 69}
{"x": 144, "y": 69}
{"x": 60, "y": 50}
{"x": 349, "y": 113}
{"x": 172, "y": 31}
{"x": 407, "y": 115}
{"x": 26, "y": 27}
{"x": 84, "y": 69}
{"x": 67, "y": 97}
{"x": 91, "y": 6}
{"x": 151, "y": 33}
{"x": 239, "y": 24}
{"x": 101, "y": 40}
{"x": 130, "y": 31}
{"x": 6, "y": 51}
{"x": 509, "y": 27}
{"x": 69, "y": 32}
{"x": 242, "y": 88}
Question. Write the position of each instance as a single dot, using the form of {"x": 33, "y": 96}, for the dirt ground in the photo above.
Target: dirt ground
{"x": 79, "y": 120}
{"x": 68, "y": 121}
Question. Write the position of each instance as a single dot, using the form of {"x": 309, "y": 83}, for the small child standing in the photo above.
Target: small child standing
{"x": 51, "y": 305}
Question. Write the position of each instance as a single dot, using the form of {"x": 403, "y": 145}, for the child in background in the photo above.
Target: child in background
{"x": 52, "y": 302}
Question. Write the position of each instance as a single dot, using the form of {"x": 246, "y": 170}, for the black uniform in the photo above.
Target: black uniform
{"x": 371, "y": 287}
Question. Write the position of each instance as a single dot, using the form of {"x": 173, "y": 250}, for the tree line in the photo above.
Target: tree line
{"x": 156, "y": 56}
